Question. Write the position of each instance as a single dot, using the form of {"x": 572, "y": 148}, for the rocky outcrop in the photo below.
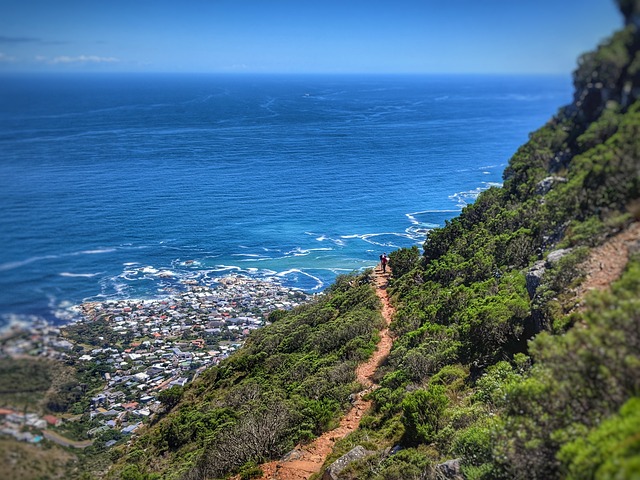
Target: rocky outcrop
{"x": 545, "y": 185}
{"x": 555, "y": 256}
{"x": 333, "y": 472}
{"x": 533, "y": 277}
{"x": 449, "y": 470}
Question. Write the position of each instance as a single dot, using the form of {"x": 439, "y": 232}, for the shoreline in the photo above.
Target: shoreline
{"x": 12, "y": 324}
{"x": 138, "y": 348}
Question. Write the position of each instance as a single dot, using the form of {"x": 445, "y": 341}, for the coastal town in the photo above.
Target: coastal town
{"x": 138, "y": 349}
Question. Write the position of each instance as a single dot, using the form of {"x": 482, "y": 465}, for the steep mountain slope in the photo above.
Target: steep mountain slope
{"x": 290, "y": 382}
{"x": 499, "y": 364}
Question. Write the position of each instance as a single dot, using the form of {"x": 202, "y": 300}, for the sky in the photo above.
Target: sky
{"x": 302, "y": 36}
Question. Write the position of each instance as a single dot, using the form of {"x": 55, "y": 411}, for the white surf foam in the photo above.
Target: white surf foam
{"x": 95, "y": 251}
{"x": 85, "y": 275}
{"x": 27, "y": 261}
{"x": 297, "y": 271}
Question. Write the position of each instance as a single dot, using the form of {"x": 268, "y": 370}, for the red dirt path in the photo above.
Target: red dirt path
{"x": 604, "y": 265}
{"x": 607, "y": 262}
{"x": 305, "y": 460}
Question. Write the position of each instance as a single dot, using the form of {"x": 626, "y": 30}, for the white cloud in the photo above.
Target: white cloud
{"x": 83, "y": 59}
{"x": 6, "y": 58}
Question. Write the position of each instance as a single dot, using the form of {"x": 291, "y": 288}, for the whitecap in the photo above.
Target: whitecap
{"x": 337, "y": 241}
{"x": 297, "y": 252}
{"x": 368, "y": 237}
{"x": 21, "y": 263}
{"x": 413, "y": 216}
{"x": 338, "y": 271}
{"x": 224, "y": 268}
{"x": 96, "y": 251}
{"x": 85, "y": 275}
{"x": 319, "y": 282}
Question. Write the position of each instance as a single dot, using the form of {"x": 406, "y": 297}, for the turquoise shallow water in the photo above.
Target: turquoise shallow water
{"x": 122, "y": 186}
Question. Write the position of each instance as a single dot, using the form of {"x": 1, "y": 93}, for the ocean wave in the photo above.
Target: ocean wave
{"x": 85, "y": 275}
{"x": 297, "y": 252}
{"x": 95, "y": 251}
{"x": 323, "y": 237}
{"x": 463, "y": 199}
{"x": 225, "y": 268}
{"x": 369, "y": 238}
{"x": 21, "y": 263}
{"x": 297, "y": 271}
{"x": 413, "y": 216}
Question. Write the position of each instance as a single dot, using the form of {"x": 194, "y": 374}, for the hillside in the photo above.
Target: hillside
{"x": 504, "y": 365}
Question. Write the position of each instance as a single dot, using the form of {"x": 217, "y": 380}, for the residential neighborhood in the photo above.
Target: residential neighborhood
{"x": 142, "y": 347}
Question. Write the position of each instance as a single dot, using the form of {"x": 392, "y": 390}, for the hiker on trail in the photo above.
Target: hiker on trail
{"x": 383, "y": 262}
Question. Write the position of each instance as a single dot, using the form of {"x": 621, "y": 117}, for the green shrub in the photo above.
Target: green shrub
{"x": 421, "y": 413}
{"x": 611, "y": 450}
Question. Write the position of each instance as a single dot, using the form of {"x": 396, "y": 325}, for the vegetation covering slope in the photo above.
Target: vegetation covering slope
{"x": 497, "y": 362}
{"x": 291, "y": 381}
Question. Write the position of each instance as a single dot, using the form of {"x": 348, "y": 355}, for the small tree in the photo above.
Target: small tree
{"x": 404, "y": 260}
{"x": 171, "y": 396}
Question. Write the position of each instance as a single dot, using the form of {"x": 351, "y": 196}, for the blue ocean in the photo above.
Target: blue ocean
{"x": 115, "y": 186}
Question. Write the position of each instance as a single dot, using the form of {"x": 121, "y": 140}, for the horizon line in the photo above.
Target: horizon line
{"x": 291, "y": 74}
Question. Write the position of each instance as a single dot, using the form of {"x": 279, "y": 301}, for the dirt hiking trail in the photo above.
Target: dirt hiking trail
{"x": 305, "y": 460}
{"x": 607, "y": 261}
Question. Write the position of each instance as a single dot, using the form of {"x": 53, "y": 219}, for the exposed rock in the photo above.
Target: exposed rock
{"x": 633, "y": 247}
{"x": 449, "y": 470}
{"x": 560, "y": 160}
{"x": 544, "y": 186}
{"x": 333, "y": 472}
{"x": 292, "y": 455}
{"x": 533, "y": 277}
{"x": 555, "y": 256}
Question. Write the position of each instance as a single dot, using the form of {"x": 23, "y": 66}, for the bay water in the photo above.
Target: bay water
{"x": 123, "y": 186}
